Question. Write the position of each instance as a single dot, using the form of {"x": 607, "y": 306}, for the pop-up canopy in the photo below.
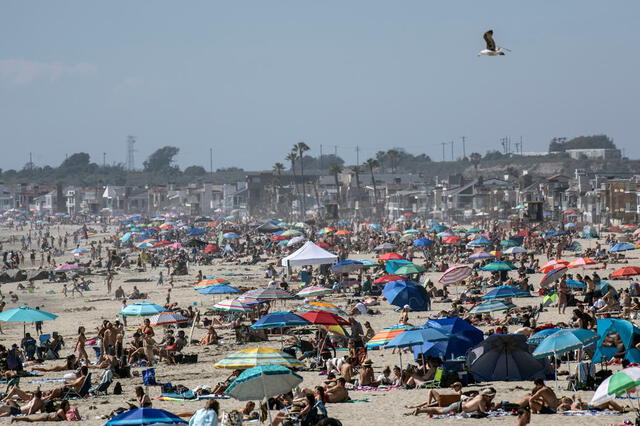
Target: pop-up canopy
{"x": 309, "y": 254}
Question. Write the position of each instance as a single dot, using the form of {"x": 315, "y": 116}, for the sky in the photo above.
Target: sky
{"x": 251, "y": 78}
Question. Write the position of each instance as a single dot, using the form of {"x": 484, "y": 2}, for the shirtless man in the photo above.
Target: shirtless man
{"x": 480, "y": 403}
{"x": 367, "y": 378}
{"x": 437, "y": 399}
{"x": 53, "y": 393}
{"x": 542, "y": 400}
{"x": 338, "y": 393}
{"x": 346, "y": 371}
{"x": 33, "y": 406}
{"x": 109, "y": 339}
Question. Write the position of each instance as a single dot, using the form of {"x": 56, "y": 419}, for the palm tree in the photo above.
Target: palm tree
{"x": 357, "y": 170}
{"x": 372, "y": 164}
{"x": 335, "y": 170}
{"x": 278, "y": 168}
{"x": 291, "y": 157}
{"x": 301, "y": 148}
{"x": 393, "y": 157}
{"x": 475, "y": 158}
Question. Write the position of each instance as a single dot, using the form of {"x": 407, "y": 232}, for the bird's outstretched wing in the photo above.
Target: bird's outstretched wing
{"x": 488, "y": 38}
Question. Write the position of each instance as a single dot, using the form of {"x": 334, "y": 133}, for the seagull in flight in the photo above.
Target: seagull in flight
{"x": 492, "y": 49}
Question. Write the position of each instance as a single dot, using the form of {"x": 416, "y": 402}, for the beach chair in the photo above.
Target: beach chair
{"x": 82, "y": 393}
{"x": 436, "y": 382}
{"x": 105, "y": 382}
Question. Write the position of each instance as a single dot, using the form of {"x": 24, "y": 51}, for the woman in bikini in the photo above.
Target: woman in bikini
{"x": 80, "y": 351}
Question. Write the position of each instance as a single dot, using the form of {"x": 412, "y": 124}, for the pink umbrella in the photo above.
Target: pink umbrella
{"x": 454, "y": 274}
{"x": 176, "y": 245}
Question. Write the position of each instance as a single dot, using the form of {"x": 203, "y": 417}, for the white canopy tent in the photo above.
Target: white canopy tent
{"x": 309, "y": 254}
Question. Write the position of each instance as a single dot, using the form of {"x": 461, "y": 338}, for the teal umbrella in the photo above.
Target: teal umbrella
{"x": 564, "y": 340}
{"x": 492, "y": 306}
{"x": 409, "y": 269}
{"x": 141, "y": 309}
{"x": 499, "y": 266}
{"x": 25, "y": 314}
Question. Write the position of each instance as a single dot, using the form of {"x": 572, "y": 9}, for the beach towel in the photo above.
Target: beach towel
{"x": 591, "y": 413}
{"x": 47, "y": 380}
{"x": 358, "y": 400}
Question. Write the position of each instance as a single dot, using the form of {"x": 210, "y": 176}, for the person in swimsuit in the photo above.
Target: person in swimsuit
{"x": 543, "y": 399}
{"x": 80, "y": 351}
{"x": 58, "y": 416}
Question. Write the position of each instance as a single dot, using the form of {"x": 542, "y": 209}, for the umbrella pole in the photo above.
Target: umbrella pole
{"x": 555, "y": 368}
{"x": 266, "y": 400}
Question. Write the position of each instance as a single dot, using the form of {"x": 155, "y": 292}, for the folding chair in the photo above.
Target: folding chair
{"x": 435, "y": 383}
{"x": 82, "y": 393}
{"x": 105, "y": 382}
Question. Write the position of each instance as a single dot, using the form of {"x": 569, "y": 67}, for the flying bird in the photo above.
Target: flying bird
{"x": 492, "y": 49}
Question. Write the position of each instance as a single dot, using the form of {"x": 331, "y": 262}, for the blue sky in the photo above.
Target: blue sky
{"x": 251, "y": 78}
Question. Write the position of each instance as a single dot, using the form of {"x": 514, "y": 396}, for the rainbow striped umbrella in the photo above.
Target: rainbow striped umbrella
{"x": 210, "y": 282}
{"x": 232, "y": 305}
{"x": 312, "y": 291}
{"x": 253, "y": 357}
{"x": 322, "y": 306}
{"x": 166, "y": 318}
{"x": 269, "y": 294}
{"x": 385, "y": 335}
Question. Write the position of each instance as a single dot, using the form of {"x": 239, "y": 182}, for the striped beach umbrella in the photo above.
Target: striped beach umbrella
{"x": 313, "y": 291}
{"x": 280, "y": 319}
{"x": 385, "y": 335}
{"x": 232, "y": 305}
{"x": 581, "y": 261}
{"x": 269, "y": 294}
{"x": 491, "y": 306}
{"x": 253, "y": 357}
{"x": 322, "y": 306}
{"x": 210, "y": 282}
{"x": 455, "y": 273}
{"x": 166, "y": 318}
{"x": 505, "y": 292}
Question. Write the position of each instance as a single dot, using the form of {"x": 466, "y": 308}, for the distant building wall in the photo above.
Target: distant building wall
{"x": 602, "y": 153}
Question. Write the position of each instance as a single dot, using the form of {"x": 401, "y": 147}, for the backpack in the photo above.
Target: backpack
{"x": 149, "y": 377}
{"x": 117, "y": 389}
{"x": 73, "y": 415}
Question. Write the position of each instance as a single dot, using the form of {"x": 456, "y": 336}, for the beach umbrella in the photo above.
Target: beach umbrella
{"x": 391, "y": 256}
{"x": 479, "y": 242}
{"x": 296, "y": 240}
{"x": 451, "y": 239}
{"x": 385, "y": 335}
{"x": 491, "y": 306}
{"x": 505, "y": 292}
{"x": 581, "y": 261}
{"x": 263, "y": 381}
{"x": 269, "y": 294}
{"x": 162, "y": 243}
{"x": 387, "y": 278}
{"x": 211, "y": 282}
{"x": 549, "y": 299}
{"x": 195, "y": 231}
{"x": 622, "y": 247}
{"x": 564, "y": 340}
{"x": 291, "y": 233}
{"x": 481, "y": 255}
{"x": 280, "y": 319}
{"x": 313, "y": 291}
{"x": 416, "y": 336}
{"x": 79, "y": 251}
{"x": 219, "y": 289}
{"x": 508, "y": 243}
{"x": 346, "y": 266}
{"x": 322, "y": 306}
{"x": 555, "y": 263}
{"x": 175, "y": 245}
{"x": 166, "y": 318}
{"x": 422, "y": 242}
{"x": 145, "y": 416}
{"x": 463, "y": 337}
{"x": 145, "y": 244}
{"x": 495, "y": 253}
{"x": 455, "y": 274}
{"x": 141, "y": 309}
{"x": 323, "y": 245}
{"x": 253, "y": 357}
{"x": 343, "y": 232}
{"x": 25, "y": 314}
{"x": 232, "y": 305}
{"x": 576, "y": 284}
{"x": 499, "y": 266}
{"x": 410, "y": 269}
{"x": 541, "y": 335}
{"x": 401, "y": 293}
{"x": 230, "y": 236}
{"x": 375, "y": 226}
{"x": 515, "y": 250}
{"x": 553, "y": 275}
{"x": 384, "y": 246}
{"x": 626, "y": 271}
{"x": 624, "y": 381}
{"x": 67, "y": 267}
{"x": 324, "y": 318}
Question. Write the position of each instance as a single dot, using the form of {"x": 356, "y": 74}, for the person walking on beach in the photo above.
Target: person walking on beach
{"x": 160, "y": 279}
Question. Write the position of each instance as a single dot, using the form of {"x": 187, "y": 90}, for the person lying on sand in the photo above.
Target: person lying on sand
{"x": 437, "y": 399}
{"x": 480, "y": 403}
{"x": 58, "y": 416}
{"x": 576, "y": 404}
{"x": 71, "y": 363}
{"x": 33, "y": 406}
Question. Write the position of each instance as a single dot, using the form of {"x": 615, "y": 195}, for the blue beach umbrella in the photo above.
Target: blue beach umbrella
{"x": 280, "y": 319}
{"x": 505, "y": 291}
{"x": 219, "y": 289}
{"x": 565, "y": 340}
{"x": 463, "y": 336}
{"x": 346, "y": 266}
{"x": 145, "y": 416}
{"x": 422, "y": 242}
{"x": 401, "y": 293}
{"x": 230, "y": 236}
{"x": 416, "y": 336}
{"x": 622, "y": 247}
{"x": 141, "y": 309}
{"x": 499, "y": 266}
{"x": 479, "y": 242}
{"x": 491, "y": 306}
{"x": 196, "y": 231}
{"x": 576, "y": 284}
{"x": 541, "y": 335}
{"x": 481, "y": 255}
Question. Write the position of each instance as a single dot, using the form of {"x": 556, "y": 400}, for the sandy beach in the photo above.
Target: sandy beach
{"x": 384, "y": 408}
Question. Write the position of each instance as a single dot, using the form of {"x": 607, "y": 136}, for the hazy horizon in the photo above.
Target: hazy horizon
{"x": 257, "y": 77}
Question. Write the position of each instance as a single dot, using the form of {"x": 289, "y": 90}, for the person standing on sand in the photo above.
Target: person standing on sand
{"x": 160, "y": 279}
{"x": 109, "y": 281}
{"x": 80, "y": 351}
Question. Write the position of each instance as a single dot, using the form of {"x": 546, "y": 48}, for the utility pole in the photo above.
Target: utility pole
{"x": 357, "y": 155}
{"x": 30, "y": 161}
{"x": 443, "y": 145}
{"x": 521, "y": 146}
{"x": 104, "y": 159}
{"x": 464, "y": 147}
{"x": 451, "y": 150}
{"x": 131, "y": 141}
{"x": 211, "y": 161}
{"x": 335, "y": 150}
{"x": 321, "y": 168}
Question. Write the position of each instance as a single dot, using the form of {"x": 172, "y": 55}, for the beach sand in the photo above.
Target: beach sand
{"x": 385, "y": 407}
